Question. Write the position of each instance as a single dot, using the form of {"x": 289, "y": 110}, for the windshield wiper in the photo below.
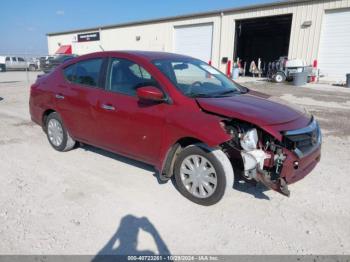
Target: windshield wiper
{"x": 213, "y": 95}
{"x": 194, "y": 95}
{"x": 228, "y": 92}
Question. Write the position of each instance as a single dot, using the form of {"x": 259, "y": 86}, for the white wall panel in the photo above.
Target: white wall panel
{"x": 334, "y": 53}
{"x": 194, "y": 40}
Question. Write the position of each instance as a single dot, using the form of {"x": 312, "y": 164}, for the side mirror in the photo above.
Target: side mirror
{"x": 150, "y": 93}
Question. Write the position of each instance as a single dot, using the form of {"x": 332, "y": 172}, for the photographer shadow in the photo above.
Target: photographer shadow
{"x": 124, "y": 241}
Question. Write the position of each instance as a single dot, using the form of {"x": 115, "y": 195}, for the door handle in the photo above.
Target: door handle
{"x": 108, "y": 107}
{"x": 59, "y": 96}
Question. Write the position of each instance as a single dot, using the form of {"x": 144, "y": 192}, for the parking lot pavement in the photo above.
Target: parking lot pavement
{"x": 89, "y": 201}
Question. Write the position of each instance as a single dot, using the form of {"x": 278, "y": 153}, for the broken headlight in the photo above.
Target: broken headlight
{"x": 249, "y": 140}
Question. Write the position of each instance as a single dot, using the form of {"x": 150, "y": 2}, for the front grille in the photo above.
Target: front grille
{"x": 303, "y": 141}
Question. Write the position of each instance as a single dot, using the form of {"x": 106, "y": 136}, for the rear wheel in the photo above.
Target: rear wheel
{"x": 202, "y": 175}
{"x": 57, "y": 134}
{"x": 279, "y": 77}
{"x": 32, "y": 68}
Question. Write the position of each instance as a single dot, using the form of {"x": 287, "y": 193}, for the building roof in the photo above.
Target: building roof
{"x": 171, "y": 18}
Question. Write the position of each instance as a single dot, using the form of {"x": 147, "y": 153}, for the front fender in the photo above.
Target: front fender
{"x": 197, "y": 125}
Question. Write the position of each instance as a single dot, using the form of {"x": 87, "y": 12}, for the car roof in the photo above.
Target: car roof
{"x": 148, "y": 55}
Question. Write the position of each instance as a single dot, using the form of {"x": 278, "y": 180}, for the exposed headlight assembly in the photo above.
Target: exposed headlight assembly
{"x": 249, "y": 140}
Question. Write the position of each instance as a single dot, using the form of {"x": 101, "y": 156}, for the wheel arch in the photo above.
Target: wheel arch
{"x": 169, "y": 160}
{"x": 167, "y": 170}
{"x": 45, "y": 114}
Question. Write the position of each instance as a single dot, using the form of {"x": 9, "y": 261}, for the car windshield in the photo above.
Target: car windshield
{"x": 195, "y": 78}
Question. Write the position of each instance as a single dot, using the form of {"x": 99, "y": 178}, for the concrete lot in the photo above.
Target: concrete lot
{"x": 89, "y": 201}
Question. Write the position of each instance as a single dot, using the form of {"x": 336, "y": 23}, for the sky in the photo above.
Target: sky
{"x": 24, "y": 24}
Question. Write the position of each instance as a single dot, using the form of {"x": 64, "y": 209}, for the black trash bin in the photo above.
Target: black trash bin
{"x": 347, "y": 80}
{"x": 300, "y": 79}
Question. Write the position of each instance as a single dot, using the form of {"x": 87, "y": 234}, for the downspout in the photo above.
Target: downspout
{"x": 99, "y": 31}
{"x": 221, "y": 16}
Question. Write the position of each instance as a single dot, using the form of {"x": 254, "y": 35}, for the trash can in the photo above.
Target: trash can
{"x": 235, "y": 73}
{"x": 300, "y": 79}
{"x": 347, "y": 80}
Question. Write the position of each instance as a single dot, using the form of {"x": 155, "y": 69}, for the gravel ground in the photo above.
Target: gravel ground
{"x": 89, "y": 201}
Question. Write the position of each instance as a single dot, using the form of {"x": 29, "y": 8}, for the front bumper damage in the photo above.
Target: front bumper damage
{"x": 254, "y": 162}
{"x": 292, "y": 169}
{"x": 280, "y": 165}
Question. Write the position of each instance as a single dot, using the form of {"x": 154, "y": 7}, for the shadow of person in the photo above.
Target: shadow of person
{"x": 126, "y": 240}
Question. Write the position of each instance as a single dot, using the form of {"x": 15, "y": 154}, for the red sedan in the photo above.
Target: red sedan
{"x": 180, "y": 115}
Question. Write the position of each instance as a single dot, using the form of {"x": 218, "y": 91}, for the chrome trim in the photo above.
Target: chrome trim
{"x": 108, "y": 107}
{"x": 59, "y": 97}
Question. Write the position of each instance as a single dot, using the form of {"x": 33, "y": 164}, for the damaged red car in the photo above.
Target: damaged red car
{"x": 180, "y": 115}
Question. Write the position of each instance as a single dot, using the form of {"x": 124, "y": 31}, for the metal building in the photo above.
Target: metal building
{"x": 300, "y": 29}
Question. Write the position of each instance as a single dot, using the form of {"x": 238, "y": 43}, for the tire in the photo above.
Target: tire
{"x": 279, "y": 77}
{"x": 57, "y": 134}
{"x": 32, "y": 68}
{"x": 2, "y": 68}
{"x": 216, "y": 181}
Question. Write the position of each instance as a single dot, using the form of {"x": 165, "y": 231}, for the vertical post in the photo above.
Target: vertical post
{"x": 26, "y": 64}
{"x": 220, "y": 43}
{"x": 228, "y": 68}
{"x": 314, "y": 71}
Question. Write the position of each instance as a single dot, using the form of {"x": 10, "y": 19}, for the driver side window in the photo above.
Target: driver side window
{"x": 126, "y": 76}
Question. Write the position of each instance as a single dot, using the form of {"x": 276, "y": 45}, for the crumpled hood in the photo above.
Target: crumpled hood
{"x": 253, "y": 107}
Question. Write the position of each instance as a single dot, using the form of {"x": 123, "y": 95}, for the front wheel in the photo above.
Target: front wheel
{"x": 203, "y": 175}
{"x": 57, "y": 134}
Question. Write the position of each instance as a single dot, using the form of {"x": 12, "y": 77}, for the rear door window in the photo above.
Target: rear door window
{"x": 88, "y": 72}
{"x": 85, "y": 72}
{"x": 20, "y": 59}
{"x": 14, "y": 59}
{"x": 69, "y": 73}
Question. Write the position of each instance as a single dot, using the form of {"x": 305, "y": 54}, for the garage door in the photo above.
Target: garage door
{"x": 334, "y": 54}
{"x": 195, "y": 41}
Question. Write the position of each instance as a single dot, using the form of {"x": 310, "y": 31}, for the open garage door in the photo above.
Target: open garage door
{"x": 195, "y": 41}
{"x": 266, "y": 38}
{"x": 334, "y": 53}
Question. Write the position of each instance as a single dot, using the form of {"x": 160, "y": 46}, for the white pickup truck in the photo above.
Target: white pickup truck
{"x": 16, "y": 63}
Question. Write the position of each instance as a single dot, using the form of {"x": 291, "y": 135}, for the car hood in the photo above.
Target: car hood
{"x": 258, "y": 109}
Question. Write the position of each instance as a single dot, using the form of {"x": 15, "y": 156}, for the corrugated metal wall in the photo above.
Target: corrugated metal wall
{"x": 304, "y": 42}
